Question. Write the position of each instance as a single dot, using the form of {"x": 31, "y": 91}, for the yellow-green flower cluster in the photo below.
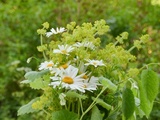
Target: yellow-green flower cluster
{"x": 143, "y": 39}
{"x": 47, "y": 100}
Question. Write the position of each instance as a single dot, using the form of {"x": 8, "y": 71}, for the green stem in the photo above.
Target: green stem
{"x": 80, "y": 101}
{"x": 131, "y": 49}
{"x": 116, "y": 43}
{"x": 93, "y": 103}
{"x": 148, "y": 65}
{"x": 91, "y": 74}
{"x": 157, "y": 102}
{"x": 73, "y": 105}
{"x": 46, "y": 112}
{"x": 78, "y": 109}
{"x": 69, "y": 105}
{"x": 41, "y": 39}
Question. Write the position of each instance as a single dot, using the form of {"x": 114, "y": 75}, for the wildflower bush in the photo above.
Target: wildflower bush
{"x": 82, "y": 80}
{"x": 18, "y": 39}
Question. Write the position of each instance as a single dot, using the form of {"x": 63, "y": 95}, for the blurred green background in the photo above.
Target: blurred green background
{"x": 20, "y": 19}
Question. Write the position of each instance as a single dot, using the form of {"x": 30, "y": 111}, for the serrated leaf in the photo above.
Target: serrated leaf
{"x": 150, "y": 83}
{"x": 73, "y": 94}
{"x": 39, "y": 84}
{"x": 145, "y": 104}
{"x": 108, "y": 83}
{"x": 32, "y": 75}
{"x": 96, "y": 115}
{"x": 64, "y": 115}
{"x": 25, "y": 109}
{"x": 102, "y": 103}
{"x": 128, "y": 103}
{"x": 149, "y": 86}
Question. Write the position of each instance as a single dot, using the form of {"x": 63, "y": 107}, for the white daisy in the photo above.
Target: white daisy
{"x": 89, "y": 45}
{"x": 91, "y": 84}
{"x": 95, "y": 63}
{"x": 85, "y": 44}
{"x": 69, "y": 79}
{"x": 56, "y": 71}
{"x": 46, "y": 65}
{"x": 53, "y": 31}
{"x": 63, "y": 49}
{"x": 64, "y": 66}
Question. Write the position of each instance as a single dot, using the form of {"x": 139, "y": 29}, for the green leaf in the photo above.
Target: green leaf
{"x": 32, "y": 75}
{"x": 64, "y": 115}
{"x": 102, "y": 103}
{"x": 96, "y": 115}
{"x": 107, "y": 83}
{"x": 25, "y": 109}
{"x": 149, "y": 86}
{"x": 128, "y": 103}
{"x": 145, "y": 104}
{"x": 73, "y": 94}
{"x": 150, "y": 83}
{"x": 113, "y": 115}
{"x": 39, "y": 84}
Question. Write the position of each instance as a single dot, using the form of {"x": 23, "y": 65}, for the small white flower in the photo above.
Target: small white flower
{"x": 63, "y": 49}
{"x": 69, "y": 79}
{"x": 62, "y": 99}
{"x": 95, "y": 63}
{"x": 64, "y": 66}
{"x": 46, "y": 65}
{"x": 91, "y": 84}
{"x": 89, "y": 45}
{"x": 56, "y": 71}
{"x": 53, "y": 31}
{"x": 85, "y": 44}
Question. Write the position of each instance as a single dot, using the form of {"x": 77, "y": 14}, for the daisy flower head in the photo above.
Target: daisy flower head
{"x": 95, "y": 63}
{"x": 69, "y": 79}
{"x": 85, "y": 44}
{"x": 53, "y": 31}
{"x": 64, "y": 66}
{"x": 91, "y": 84}
{"x": 89, "y": 45}
{"x": 63, "y": 49}
{"x": 46, "y": 65}
{"x": 56, "y": 71}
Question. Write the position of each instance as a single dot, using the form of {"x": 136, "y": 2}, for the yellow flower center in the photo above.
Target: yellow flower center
{"x": 64, "y": 66}
{"x": 64, "y": 51}
{"x": 85, "y": 76}
{"x": 95, "y": 63}
{"x": 50, "y": 65}
{"x": 68, "y": 80}
{"x": 85, "y": 86}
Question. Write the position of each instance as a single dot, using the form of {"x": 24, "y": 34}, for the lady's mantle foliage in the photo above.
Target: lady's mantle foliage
{"x": 77, "y": 74}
